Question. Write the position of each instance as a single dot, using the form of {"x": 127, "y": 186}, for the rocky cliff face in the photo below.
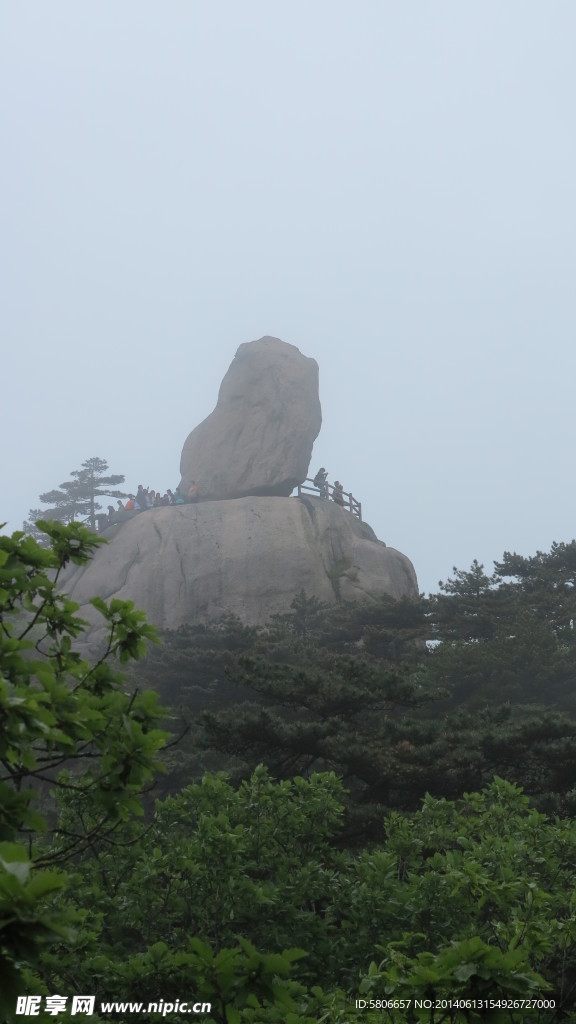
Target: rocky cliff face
{"x": 246, "y": 556}
{"x": 244, "y": 547}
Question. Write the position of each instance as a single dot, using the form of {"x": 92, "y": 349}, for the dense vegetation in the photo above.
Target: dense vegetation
{"x": 370, "y": 843}
{"x": 401, "y": 698}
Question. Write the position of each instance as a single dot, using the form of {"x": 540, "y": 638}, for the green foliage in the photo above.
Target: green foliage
{"x": 510, "y": 635}
{"x": 505, "y": 653}
{"x": 58, "y": 711}
{"x": 309, "y": 692}
{"x": 251, "y": 892}
{"x": 469, "y": 979}
{"x": 206, "y": 897}
{"x": 221, "y": 864}
{"x": 470, "y": 899}
{"x": 24, "y": 927}
{"x": 32, "y": 529}
{"x": 240, "y": 984}
{"x": 357, "y": 690}
{"x": 484, "y": 886}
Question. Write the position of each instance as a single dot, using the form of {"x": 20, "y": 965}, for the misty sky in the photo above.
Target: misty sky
{"x": 387, "y": 185}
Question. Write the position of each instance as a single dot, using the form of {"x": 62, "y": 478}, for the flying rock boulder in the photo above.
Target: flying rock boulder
{"x": 259, "y": 438}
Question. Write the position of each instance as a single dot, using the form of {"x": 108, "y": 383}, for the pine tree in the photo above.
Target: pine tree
{"x": 76, "y": 498}
{"x": 31, "y": 530}
{"x": 509, "y": 636}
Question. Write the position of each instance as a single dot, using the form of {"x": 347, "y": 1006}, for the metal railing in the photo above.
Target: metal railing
{"x": 348, "y": 501}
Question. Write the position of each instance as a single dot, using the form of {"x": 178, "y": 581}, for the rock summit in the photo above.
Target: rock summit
{"x": 259, "y": 438}
{"x": 242, "y": 545}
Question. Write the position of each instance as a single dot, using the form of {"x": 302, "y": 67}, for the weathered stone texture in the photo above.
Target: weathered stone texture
{"x": 247, "y": 556}
{"x": 259, "y": 438}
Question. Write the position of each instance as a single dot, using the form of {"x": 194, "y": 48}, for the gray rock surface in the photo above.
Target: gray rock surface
{"x": 248, "y": 556}
{"x": 259, "y": 438}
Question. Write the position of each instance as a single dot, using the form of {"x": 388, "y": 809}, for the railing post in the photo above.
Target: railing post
{"x": 354, "y": 506}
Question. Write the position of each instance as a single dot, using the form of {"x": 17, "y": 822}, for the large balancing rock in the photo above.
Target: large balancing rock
{"x": 259, "y": 438}
{"x": 248, "y": 557}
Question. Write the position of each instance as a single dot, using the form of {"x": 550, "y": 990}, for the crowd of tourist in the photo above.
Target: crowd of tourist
{"x": 146, "y": 498}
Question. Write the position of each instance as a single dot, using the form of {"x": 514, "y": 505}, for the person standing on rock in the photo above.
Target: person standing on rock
{"x": 338, "y": 493}
{"x": 192, "y": 494}
{"x": 320, "y": 481}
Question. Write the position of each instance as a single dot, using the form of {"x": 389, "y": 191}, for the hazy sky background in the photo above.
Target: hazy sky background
{"x": 387, "y": 185}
